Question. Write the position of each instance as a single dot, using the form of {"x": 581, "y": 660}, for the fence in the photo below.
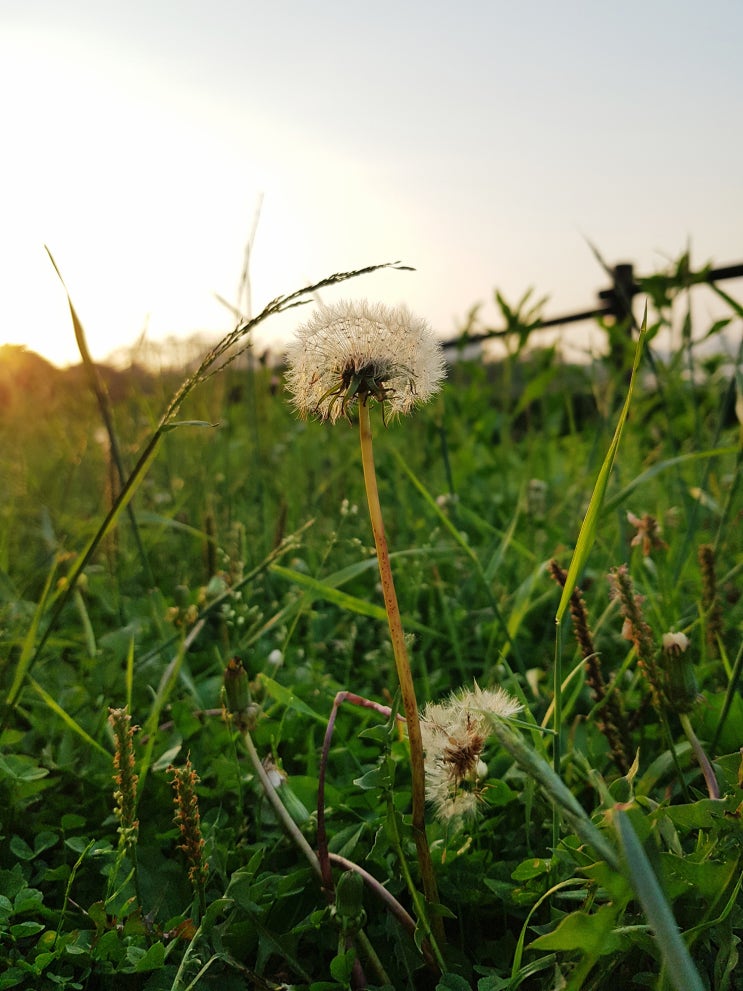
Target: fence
{"x": 616, "y": 300}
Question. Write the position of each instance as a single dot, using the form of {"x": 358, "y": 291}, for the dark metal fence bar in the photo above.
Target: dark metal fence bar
{"x": 617, "y": 301}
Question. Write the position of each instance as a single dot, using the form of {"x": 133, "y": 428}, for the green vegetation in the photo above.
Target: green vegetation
{"x": 170, "y": 681}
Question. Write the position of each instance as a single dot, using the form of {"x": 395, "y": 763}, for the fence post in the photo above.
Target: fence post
{"x": 622, "y": 293}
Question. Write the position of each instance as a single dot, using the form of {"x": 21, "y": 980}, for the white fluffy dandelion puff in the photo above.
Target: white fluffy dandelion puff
{"x": 350, "y": 352}
{"x": 454, "y": 736}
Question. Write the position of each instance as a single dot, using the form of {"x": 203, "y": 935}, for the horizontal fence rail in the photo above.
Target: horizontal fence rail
{"x": 617, "y": 300}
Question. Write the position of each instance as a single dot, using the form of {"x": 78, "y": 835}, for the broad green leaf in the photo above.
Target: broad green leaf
{"x": 591, "y": 934}
{"x": 19, "y": 767}
{"x": 452, "y": 982}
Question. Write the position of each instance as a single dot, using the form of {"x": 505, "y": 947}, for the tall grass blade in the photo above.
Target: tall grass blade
{"x": 460, "y": 540}
{"x": 588, "y": 528}
{"x": 100, "y": 391}
{"x": 67, "y": 719}
{"x": 28, "y": 651}
{"x": 328, "y": 592}
{"x": 681, "y": 970}
{"x": 583, "y": 547}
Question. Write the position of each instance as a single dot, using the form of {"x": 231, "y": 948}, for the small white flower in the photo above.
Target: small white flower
{"x": 350, "y": 352}
{"x": 275, "y": 658}
{"x": 446, "y": 499}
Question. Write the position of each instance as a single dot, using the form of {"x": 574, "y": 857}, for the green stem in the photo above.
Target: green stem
{"x": 394, "y": 831}
{"x": 283, "y": 816}
{"x": 389, "y": 901}
{"x": 557, "y": 743}
{"x": 709, "y": 775}
{"x": 402, "y": 664}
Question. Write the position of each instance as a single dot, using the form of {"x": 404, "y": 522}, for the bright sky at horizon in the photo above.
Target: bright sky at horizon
{"x": 482, "y": 144}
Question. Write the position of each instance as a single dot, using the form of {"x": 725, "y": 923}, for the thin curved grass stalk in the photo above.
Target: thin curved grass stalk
{"x": 326, "y": 858}
{"x": 388, "y": 900}
{"x": 296, "y": 835}
{"x": 710, "y": 779}
{"x": 217, "y": 359}
{"x": 290, "y": 827}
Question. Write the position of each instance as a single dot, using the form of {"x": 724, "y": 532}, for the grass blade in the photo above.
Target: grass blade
{"x": 681, "y": 970}
{"x": 587, "y": 533}
{"x": 67, "y": 719}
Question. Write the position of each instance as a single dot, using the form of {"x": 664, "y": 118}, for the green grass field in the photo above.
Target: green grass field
{"x": 606, "y": 848}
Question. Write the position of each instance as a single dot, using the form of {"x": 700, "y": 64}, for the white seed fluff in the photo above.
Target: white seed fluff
{"x": 387, "y": 345}
{"x": 454, "y": 734}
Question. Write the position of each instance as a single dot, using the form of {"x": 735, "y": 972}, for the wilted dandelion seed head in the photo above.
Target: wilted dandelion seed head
{"x": 350, "y": 352}
{"x": 454, "y": 736}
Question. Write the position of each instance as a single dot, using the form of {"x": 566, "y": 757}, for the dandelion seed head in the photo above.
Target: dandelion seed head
{"x": 454, "y": 735}
{"x": 349, "y": 352}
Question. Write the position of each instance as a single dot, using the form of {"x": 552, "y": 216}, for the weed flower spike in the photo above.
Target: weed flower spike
{"x": 350, "y": 352}
{"x": 454, "y": 736}
{"x": 125, "y": 792}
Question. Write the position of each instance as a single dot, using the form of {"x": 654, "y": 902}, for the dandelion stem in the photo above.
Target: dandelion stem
{"x": 402, "y": 664}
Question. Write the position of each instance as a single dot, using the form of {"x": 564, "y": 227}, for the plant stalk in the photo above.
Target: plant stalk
{"x": 402, "y": 664}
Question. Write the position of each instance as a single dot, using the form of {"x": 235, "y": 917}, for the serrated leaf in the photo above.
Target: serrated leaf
{"x": 591, "y": 934}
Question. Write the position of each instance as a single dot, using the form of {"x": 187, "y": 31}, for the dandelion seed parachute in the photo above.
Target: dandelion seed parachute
{"x": 349, "y": 352}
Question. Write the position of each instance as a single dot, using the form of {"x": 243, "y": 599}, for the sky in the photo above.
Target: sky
{"x": 483, "y": 143}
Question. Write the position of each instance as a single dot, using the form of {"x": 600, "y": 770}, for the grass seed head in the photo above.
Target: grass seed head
{"x": 125, "y": 780}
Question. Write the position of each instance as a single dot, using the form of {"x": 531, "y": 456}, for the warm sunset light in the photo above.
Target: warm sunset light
{"x": 396, "y": 646}
{"x": 480, "y": 146}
